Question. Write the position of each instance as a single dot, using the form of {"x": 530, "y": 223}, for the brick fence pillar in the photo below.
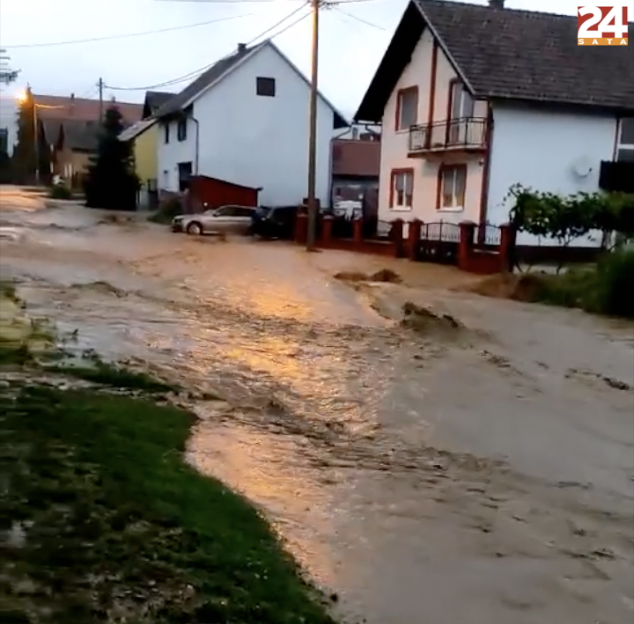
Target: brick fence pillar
{"x": 357, "y": 229}
{"x": 326, "y": 231}
{"x": 507, "y": 247}
{"x": 413, "y": 239}
{"x": 396, "y": 234}
{"x": 465, "y": 246}
{"x": 301, "y": 228}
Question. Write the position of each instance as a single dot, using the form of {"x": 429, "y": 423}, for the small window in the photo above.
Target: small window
{"x": 181, "y": 129}
{"x": 227, "y": 211}
{"x": 625, "y": 149}
{"x": 453, "y": 183}
{"x": 166, "y": 131}
{"x": 406, "y": 108}
{"x": 402, "y": 189}
{"x": 265, "y": 86}
{"x": 244, "y": 212}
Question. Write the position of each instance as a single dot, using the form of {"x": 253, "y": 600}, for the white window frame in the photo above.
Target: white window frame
{"x": 398, "y": 194}
{"x": 456, "y": 204}
{"x": 619, "y": 144}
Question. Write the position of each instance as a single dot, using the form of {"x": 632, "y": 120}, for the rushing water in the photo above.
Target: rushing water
{"x": 481, "y": 478}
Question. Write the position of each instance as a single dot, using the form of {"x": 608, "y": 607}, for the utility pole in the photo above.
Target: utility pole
{"x": 312, "y": 133}
{"x": 100, "y": 85}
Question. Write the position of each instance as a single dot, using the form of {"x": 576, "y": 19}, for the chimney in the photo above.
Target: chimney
{"x": 242, "y": 47}
{"x": 496, "y": 4}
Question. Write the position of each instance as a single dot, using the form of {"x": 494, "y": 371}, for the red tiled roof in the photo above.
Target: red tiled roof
{"x": 355, "y": 158}
{"x": 82, "y": 108}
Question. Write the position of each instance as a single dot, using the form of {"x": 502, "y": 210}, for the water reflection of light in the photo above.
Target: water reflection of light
{"x": 267, "y": 469}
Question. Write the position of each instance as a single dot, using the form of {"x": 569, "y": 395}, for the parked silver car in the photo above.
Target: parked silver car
{"x": 224, "y": 220}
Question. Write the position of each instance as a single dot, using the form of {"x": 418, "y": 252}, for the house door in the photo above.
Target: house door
{"x": 462, "y": 107}
{"x": 184, "y": 175}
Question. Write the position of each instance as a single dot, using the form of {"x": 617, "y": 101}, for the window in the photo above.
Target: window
{"x": 625, "y": 147}
{"x": 406, "y": 108}
{"x": 181, "y": 129}
{"x": 166, "y": 130}
{"x": 461, "y": 107}
{"x": 265, "y": 86}
{"x": 402, "y": 189}
{"x": 452, "y": 182}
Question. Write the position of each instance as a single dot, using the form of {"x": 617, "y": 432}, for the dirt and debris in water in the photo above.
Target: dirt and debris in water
{"x": 400, "y": 468}
{"x": 383, "y": 275}
{"x": 426, "y": 321}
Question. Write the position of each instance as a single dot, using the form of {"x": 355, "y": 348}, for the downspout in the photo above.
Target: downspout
{"x": 197, "y": 152}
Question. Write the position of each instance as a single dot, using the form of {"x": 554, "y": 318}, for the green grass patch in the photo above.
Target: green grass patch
{"x": 103, "y": 521}
{"x": 606, "y": 288}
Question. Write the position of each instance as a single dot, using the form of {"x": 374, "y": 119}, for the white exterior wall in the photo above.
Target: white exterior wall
{"x": 539, "y": 149}
{"x": 394, "y": 144}
{"x": 253, "y": 140}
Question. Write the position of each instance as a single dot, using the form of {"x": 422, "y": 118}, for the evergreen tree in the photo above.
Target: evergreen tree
{"x": 23, "y": 163}
{"x": 24, "y": 154}
{"x": 111, "y": 182}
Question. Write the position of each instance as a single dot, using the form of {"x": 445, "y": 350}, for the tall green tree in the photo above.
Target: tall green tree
{"x": 111, "y": 182}
{"x": 29, "y": 149}
{"x": 24, "y": 153}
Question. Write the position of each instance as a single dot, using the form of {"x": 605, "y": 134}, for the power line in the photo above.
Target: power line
{"x": 359, "y": 19}
{"x": 129, "y": 35}
{"x": 199, "y": 71}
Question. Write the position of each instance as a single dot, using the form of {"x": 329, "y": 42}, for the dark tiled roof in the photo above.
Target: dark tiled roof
{"x": 80, "y": 135}
{"x": 527, "y": 55}
{"x": 508, "y": 53}
{"x": 216, "y": 71}
{"x": 352, "y": 157}
{"x": 154, "y": 100}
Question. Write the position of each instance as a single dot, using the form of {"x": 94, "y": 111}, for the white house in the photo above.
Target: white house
{"x": 475, "y": 99}
{"x": 245, "y": 121}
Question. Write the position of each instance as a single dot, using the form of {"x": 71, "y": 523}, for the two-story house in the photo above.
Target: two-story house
{"x": 245, "y": 121}
{"x": 475, "y": 99}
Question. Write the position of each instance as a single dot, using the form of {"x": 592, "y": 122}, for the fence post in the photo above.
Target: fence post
{"x": 301, "y": 228}
{"x": 507, "y": 246}
{"x": 396, "y": 234}
{"x": 357, "y": 229}
{"x": 413, "y": 238}
{"x": 465, "y": 246}
{"x": 326, "y": 232}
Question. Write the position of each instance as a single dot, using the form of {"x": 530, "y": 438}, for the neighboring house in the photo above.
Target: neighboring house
{"x": 355, "y": 172}
{"x": 474, "y": 99}
{"x": 245, "y": 121}
{"x": 74, "y": 108}
{"x": 153, "y": 102}
{"x": 144, "y": 137}
{"x": 360, "y": 132}
{"x": 73, "y": 143}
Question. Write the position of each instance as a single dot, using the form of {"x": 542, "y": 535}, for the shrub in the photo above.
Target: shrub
{"x": 167, "y": 211}
{"x": 615, "y": 284}
{"x": 59, "y": 191}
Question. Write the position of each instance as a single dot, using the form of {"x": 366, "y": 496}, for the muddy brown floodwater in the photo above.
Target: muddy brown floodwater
{"x": 426, "y": 477}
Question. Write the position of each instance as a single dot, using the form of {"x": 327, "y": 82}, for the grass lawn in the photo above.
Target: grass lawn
{"x": 101, "y": 520}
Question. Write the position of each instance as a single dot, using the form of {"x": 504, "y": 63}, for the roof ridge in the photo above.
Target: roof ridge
{"x": 486, "y": 7}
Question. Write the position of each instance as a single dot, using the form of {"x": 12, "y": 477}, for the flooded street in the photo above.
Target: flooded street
{"x": 480, "y": 476}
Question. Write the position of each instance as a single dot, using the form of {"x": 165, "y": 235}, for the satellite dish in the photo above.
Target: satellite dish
{"x": 582, "y": 166}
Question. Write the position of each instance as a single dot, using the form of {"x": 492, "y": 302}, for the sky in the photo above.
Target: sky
{"x": 353, "y": 37}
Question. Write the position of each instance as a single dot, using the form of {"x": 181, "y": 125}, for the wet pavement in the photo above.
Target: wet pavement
{"x": 486, "y": 476}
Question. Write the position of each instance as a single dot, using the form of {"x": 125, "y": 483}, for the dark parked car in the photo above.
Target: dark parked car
{"x": 274, "y": 221}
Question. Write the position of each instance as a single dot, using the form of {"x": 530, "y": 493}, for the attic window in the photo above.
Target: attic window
{"x": 265, "y": 86}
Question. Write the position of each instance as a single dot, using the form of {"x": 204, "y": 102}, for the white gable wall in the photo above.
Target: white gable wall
{"x": 254, "y": 140}
{"x": 539, "y": 149}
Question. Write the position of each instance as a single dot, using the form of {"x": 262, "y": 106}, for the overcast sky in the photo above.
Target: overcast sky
{"x": 354, "y": 36}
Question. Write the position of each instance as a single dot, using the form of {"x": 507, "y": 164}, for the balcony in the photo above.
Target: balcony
{"x": 467, "y": 134}
{"x": 617, "y": 176}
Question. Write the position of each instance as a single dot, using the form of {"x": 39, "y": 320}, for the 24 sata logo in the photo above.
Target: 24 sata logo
{"x": 602, "y": 25}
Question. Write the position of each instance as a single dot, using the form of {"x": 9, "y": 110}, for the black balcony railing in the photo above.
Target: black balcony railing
{"x": 465, "y": 133}
{"x": 617, "y": 176}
